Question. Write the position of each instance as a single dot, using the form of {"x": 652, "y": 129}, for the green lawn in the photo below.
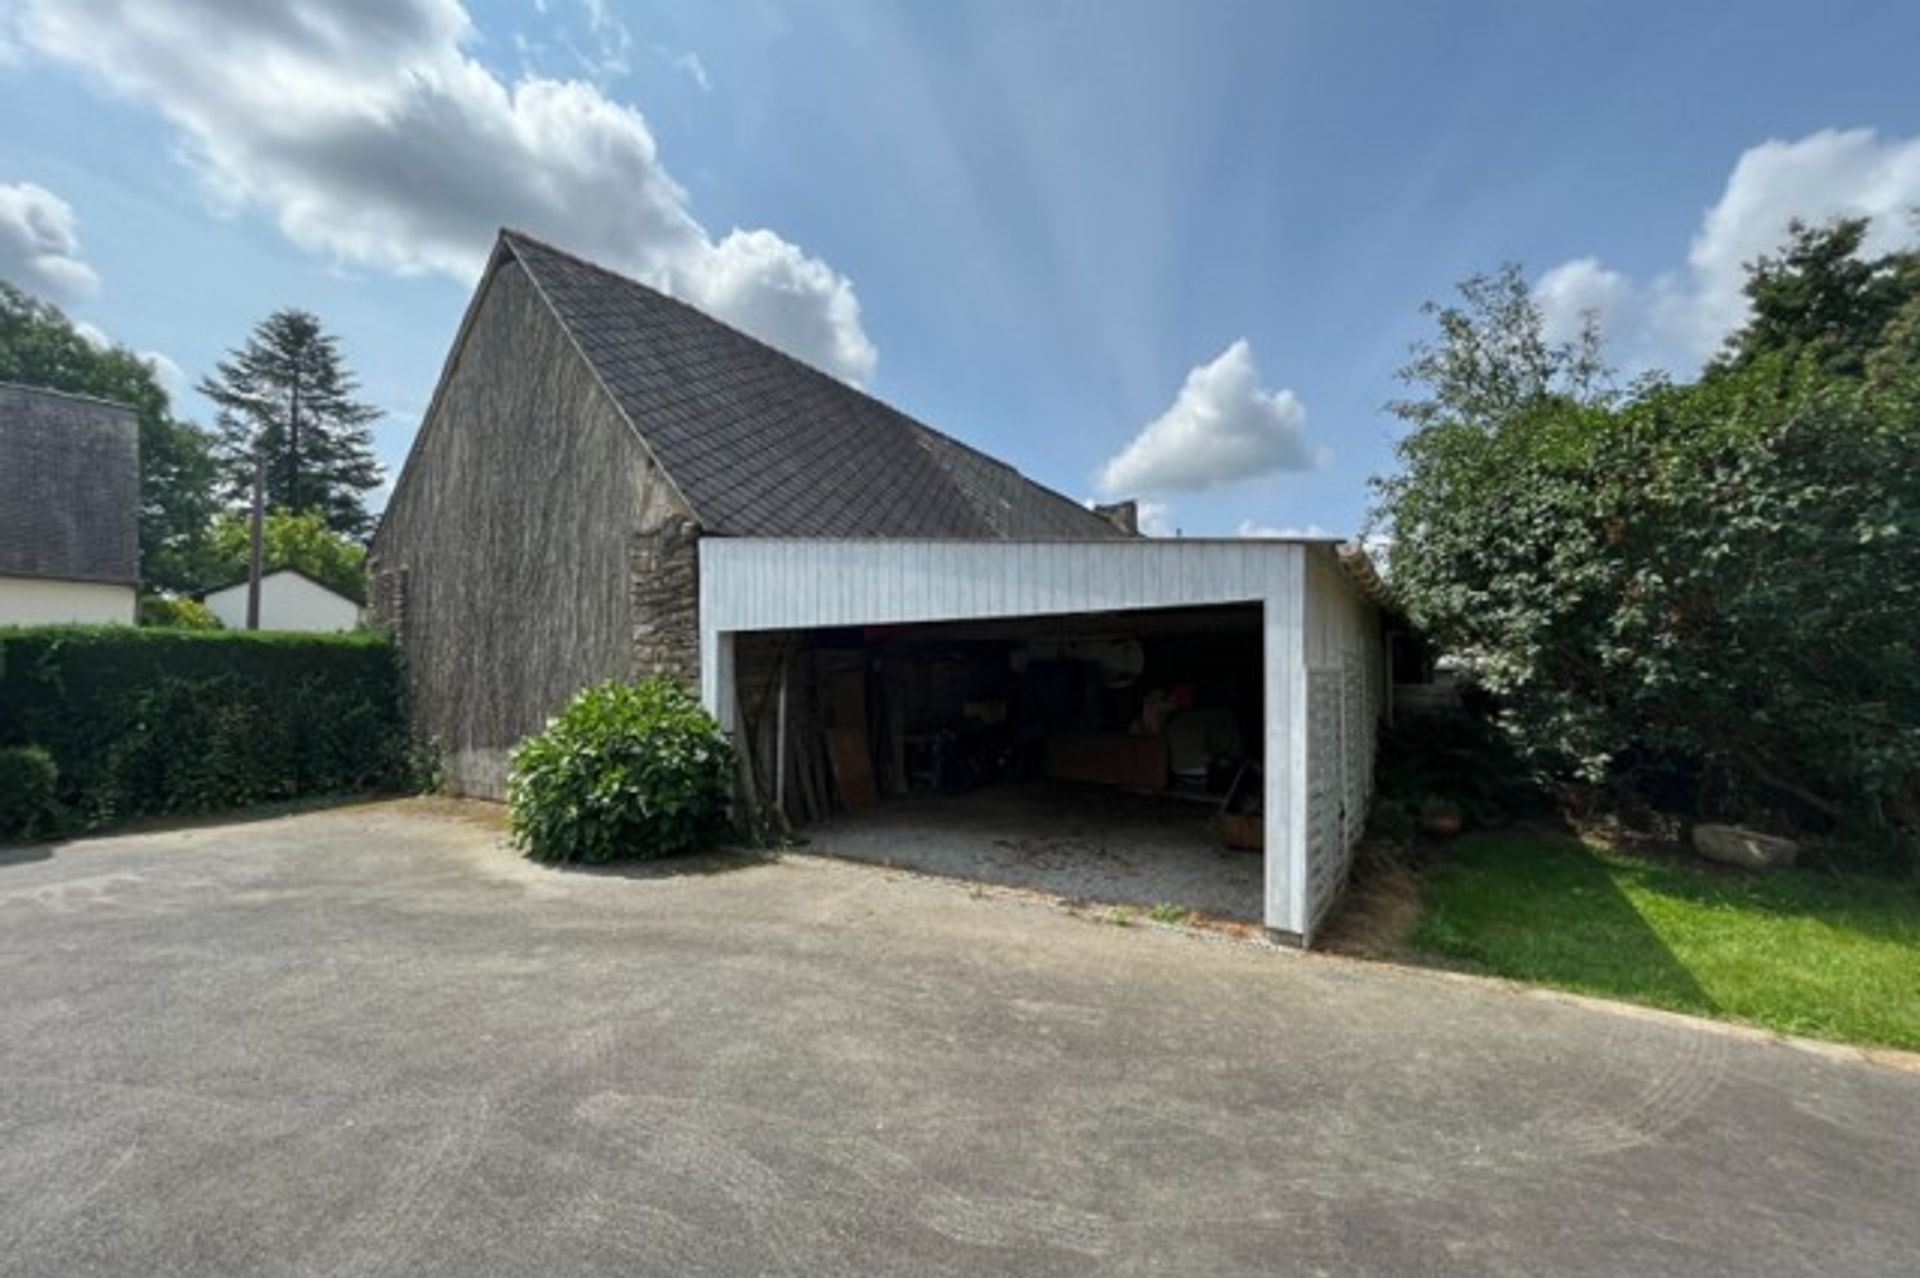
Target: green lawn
{"x": 1803, "y": 951}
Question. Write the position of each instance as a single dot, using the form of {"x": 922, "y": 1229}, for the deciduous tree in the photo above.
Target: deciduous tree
{"x": 1704, "y": 591}
{"x": 289, "y": 539}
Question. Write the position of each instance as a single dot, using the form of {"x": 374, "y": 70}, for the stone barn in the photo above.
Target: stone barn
{"x": 918, "y": 649}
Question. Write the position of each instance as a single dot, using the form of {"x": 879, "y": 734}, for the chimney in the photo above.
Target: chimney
{"x": 1124, "y": 515}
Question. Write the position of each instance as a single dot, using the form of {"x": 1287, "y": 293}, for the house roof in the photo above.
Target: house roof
{"x": 70, "y": 492}
{"x": 760, "y": 444}
{"x": 281, "y": 570}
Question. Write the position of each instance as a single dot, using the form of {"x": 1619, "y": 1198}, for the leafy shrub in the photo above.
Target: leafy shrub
{"x": 147, "y": 721}
{"x": 28, "y": 781}
{"x": 626, "y": 770}
{"x": 177, "y": 612}
{"x": 1391, "y": 821}
{"x": 1451, "y": 755}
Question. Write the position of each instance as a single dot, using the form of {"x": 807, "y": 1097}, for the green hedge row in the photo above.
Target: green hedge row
{"x": 141, "y": 721}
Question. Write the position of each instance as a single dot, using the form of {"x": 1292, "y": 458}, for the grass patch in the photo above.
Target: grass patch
{"x": 1803, "y": 951}
{"x": 1167, "y": 912}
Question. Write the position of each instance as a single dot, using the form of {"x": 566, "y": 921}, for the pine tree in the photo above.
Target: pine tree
{"x": 287, "y": 392}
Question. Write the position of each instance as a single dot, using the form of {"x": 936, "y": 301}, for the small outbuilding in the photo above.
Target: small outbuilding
{"x": 69, "y": 508}
{"x": 289, "y": 600}
{"x": 610, "y": 483}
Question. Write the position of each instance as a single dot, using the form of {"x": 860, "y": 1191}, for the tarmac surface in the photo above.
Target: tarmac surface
{"x": 370, "y": 1039}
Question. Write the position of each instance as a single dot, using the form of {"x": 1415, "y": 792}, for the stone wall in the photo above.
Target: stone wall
{"x": 664, "y": 600}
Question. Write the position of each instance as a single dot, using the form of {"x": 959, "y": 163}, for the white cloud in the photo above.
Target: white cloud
{"x": 770, "y": 288}
{"x": 1682, "y": 316}
{"x": 1156, "y": 518}
{"x": 1571, "y": 291}
{"x": 173, "y": 379}
{"x": 1249, "y": 528}
{"x": 40, "y": 244}
{"x": 1223, "y": 426}
{"x": 690, "y": 65}
{"x": 370, "y": 135}
{"x": 614, "y": 38}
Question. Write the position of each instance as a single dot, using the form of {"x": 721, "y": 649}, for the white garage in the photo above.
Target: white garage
{"x": 1310, "y": 608}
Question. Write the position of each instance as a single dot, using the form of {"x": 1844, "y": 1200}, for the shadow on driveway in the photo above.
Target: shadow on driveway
{"x": 24, "y": 854}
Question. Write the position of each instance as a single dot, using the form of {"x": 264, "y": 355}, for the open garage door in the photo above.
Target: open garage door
{"x": 1114, "y": 758}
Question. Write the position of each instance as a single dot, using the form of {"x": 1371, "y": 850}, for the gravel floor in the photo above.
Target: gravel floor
{"x": 1085, "y": 842}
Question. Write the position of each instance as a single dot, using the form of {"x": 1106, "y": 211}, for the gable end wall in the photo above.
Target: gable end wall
{"x": 531, "y": 547}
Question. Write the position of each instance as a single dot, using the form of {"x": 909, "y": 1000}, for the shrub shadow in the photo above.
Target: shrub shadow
{"x": 708, "y": 864}
{"x": 1536, "y": 904}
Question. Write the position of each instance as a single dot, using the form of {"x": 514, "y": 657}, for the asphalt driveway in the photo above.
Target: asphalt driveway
{"x": 371, "y": 1040}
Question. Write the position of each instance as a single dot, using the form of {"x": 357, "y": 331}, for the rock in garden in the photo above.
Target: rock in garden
{"x": 1735, "y": 846}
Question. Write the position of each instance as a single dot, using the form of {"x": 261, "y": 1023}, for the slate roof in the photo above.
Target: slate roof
{"x": 69, "y": 487}
{"x": 763, "y": 445}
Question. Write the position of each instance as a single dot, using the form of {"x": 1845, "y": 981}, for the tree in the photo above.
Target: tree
{"x": 289, "y": 539}
{"x": 1493, "y": 358}
{"x": 39, "y": 346}
{"x": 1703, "y": 593}
{"x": 287, "y": 393}
{"x": 1819, "y": 298}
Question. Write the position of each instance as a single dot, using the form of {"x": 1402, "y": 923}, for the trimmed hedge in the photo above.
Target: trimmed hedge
{"x": 28, "y": 779}
{"x": 145, "y": 721}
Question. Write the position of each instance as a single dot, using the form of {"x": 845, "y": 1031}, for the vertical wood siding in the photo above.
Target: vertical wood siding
{"x": 512, "y": 529}
{"x": 1345, "y": 701}
{"x": 749, "y": 584}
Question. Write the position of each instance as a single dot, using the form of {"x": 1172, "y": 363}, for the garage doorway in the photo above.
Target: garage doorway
{"x": 1112, "y": 758}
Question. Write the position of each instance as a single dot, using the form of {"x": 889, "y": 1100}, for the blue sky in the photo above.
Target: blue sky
{"x": 1165, "y": 250}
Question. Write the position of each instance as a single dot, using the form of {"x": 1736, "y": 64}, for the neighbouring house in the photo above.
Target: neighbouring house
{"x": 69, "y": 508}
{"x": 289, "y": 600}
{"x": 610, "y": 483}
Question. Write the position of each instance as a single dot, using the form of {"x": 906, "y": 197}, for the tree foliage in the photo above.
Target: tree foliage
{"x": 1706, "y": 593}
{"x": 288, "y": 539}
{"x": 287, "y": 392}
{"x": 177, "y": 612}
{"x": 39, "y": 346}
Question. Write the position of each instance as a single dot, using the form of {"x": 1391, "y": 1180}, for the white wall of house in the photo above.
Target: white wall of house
{"x": 749, "y": 584}
{"x": 288, "y": 601}
{"x": 35, "y": 601}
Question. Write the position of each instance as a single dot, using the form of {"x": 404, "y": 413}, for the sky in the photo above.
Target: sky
{"x": 1168, "y": 251}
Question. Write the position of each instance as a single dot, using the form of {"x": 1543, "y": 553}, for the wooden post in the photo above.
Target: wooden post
{"x": 256, "y": 536}
{"x": 780, "y": 744}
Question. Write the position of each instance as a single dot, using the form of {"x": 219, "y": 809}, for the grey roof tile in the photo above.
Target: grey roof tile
{"x": 763, "y": 445}
{"x": 69, "y": 487}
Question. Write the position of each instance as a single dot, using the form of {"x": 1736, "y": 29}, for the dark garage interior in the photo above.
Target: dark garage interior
{"x": 1110, "y": 758}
